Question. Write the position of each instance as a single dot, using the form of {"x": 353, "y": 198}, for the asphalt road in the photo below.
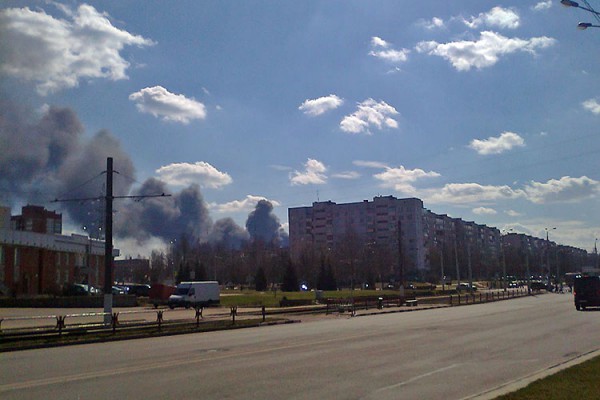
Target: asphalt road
{"x": 451, "y": 353}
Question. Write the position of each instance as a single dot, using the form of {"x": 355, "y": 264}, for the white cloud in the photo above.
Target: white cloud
{"x": 496, "y": 145}
{"x": 592, "y": 105}
{"x": 401, "y": 179}
{"x": 381, "y": 49}
{"x": 58, "y": 53}
{"x": 379, "y": 42}
{"x": 346, "y": 175}
{"x": 484, "y": 211}
{"x": 369, "y": 114}
{"x": 542, "y": 5}
{"x": 513, "y": 213}
{"x": 485, "y": 52}
{"x": 370, "y": 164}
{"x": 497, "y": 17}
{"x": 460, "y": 193}
{"x": 563, "y": 190}
{"x": 321, "y": 105}
{"x": 161, "y": 103}
{"x": 433, "y": 23}
{"x": 246, "y": 205}
{"x": 201, "y": 173}
{"x": 314, "y": 173}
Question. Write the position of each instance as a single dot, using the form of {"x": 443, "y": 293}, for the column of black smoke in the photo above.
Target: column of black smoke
{"x": 263, "y": 225}
{"x": 46, "y": 158}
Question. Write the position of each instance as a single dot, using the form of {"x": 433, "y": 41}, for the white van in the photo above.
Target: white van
{"x": 195, "y": 294}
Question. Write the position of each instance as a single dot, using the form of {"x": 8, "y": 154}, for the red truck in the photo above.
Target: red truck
{"x": 159, "y": 294}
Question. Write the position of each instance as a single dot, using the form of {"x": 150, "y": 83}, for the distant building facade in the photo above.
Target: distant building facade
{"x": 37, "y": 219}
{"x": 419, "y": 242}
{"x": 132, "y": 270}
{"x": 35, "y": 258}
{"x": 395, "y": 225}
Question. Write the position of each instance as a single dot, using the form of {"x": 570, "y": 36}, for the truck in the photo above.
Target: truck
{"x": 159, "y": 294}
{"x": 586, "y": 291}
{"x": 195, "y": 294}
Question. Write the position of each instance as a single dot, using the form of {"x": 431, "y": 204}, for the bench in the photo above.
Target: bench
{"x": 412, "y": 302}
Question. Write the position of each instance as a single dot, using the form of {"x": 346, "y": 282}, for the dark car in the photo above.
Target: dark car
{"x": 79, "y": 289}
{"x": 586, "y": 291}
{"x": 138, "y": 289}
{"x": 465, "y": 286}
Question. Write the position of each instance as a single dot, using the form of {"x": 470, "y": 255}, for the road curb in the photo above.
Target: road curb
{"x": 520, "y": 383}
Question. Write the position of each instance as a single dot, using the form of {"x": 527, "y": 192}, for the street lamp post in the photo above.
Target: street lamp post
{"x": 548, "y": 250}
{"x": 569, "y": 3}
{"x": 583, "y": 25}
{"x": 503, "y": 269}
{"x": 442, "y": 267}
{"x": 596, "y": 252}
{"x": 504, "y": 282}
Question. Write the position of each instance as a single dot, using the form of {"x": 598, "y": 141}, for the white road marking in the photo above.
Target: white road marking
{"x": 416, "y": 378}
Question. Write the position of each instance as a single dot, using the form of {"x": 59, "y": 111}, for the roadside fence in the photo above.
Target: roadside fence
{"x": 14, "y": 328}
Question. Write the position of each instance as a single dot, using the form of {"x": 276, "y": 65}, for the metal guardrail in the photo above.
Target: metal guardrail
{"x": 475, "y": 298}
{"x": 96, "y": 321}
{"x": 90, "y": 322}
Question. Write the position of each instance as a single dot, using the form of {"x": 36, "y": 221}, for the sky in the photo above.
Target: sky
{"x": 486, "y": 110}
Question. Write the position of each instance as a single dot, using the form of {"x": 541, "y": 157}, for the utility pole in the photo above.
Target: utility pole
{"x": 108, "y": 244}
{"x": 400, "y": 257}
{"x": 456, "y": 261}
{"x": 442, "y": 265}
{"x": 470, "y": 269}
{"x": 503, "y": 268}
{"x": 108, "y": 233}
{"x": 527, "y": 269}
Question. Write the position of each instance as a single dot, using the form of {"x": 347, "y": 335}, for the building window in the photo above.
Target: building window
{"x": 58, "y": 276}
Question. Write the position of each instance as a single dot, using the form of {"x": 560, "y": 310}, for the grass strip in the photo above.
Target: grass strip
{"x": 578, "y": 382}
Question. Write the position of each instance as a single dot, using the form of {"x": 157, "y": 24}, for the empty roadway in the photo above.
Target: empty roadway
{"x": 450, "y": 353}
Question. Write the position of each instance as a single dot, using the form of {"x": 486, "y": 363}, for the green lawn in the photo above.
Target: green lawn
{"x": 579, "y": 382}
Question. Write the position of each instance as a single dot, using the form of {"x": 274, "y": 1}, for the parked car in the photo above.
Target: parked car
{"x": 538, "y": 285}
{"x": 465, "y": 286}
{"x": 118, "y": 290}
{"x": 80, "y": 289}
{"x": 138, "y": 289}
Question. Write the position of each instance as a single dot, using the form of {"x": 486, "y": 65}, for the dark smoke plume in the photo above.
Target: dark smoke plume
{"x": 263, "y": 225}
{"x": 31, "y": 154}
{"x": 46, "y": 158}
{"x": 164, "y": 217}
{"x": 227, "y": 233}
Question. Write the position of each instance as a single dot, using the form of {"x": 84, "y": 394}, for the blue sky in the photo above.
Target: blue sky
{"x": 486, "y": 110}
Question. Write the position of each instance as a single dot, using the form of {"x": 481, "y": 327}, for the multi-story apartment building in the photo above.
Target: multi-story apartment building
{"x": 395, "y": 224}
{"x": 38, "y": 259}
{"x": 420, "y": 243}
{"x": 541, "y": 256}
